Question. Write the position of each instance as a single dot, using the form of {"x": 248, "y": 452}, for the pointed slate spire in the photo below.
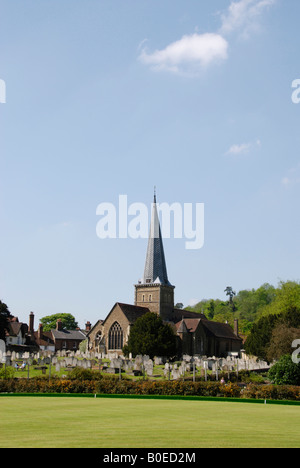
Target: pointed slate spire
{"x": 155, "y": 266}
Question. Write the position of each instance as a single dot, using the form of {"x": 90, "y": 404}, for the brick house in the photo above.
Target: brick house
{"x": 66, "y": 339}
{"x": 56, "y": 339}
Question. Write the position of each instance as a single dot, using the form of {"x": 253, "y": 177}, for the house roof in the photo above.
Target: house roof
{"x": 14, "y": 328}
{"x": 45, "y": 340}
{"x": 68, "y": 334}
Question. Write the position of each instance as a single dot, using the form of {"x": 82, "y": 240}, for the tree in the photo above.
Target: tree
{"x": 285, "y": 372}
{"x": 229, "y": 292}
{"x": 262, "y": 332}
{"x": 4, "y": 316}
{"x": 250, "y": 303}
{"x": 260, "y": 336}
{"x": 286, "y": 297}
{"x": 281, "y": 341}
{"x": 151, "y": 336}
{"x": 68, "y": 321}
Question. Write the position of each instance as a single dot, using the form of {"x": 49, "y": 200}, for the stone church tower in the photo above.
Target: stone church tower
{"x": 154, "y": 290}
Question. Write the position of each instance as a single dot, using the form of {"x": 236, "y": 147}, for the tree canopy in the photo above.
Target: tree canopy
{"x": 4, "y": 316}
{"x": 249, "y": 305}
{"x": 269, "y": 317}
{"x": 151, "y": 336}
{"x": 68, "y": 321}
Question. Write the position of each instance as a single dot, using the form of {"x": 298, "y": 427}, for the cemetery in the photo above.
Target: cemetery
{"x": 77, "y": 372}
{"x": 62, "y": 362}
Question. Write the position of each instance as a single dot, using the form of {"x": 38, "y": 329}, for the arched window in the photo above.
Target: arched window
{"x": 115, "y": 337}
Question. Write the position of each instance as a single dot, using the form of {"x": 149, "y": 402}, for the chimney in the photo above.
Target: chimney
{"x": 236, "y": 327}
{"x": 31, "y": 323}
{"x": 59, "y": 325}
{"x": 40, "y": 331}
{"x": 88, "y": 326}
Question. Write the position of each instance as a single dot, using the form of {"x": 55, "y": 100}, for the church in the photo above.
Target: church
{"x": 196, "y": 335}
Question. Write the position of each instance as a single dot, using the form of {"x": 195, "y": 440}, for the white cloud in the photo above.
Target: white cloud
{"x": 243, "y": 16}
{"x": 195, "y": 52}
{"x": 239, "y": 149}
{"x": 189, "y": 55}
{"x": 292, "y": 178}
{"x": 243, "y": 148}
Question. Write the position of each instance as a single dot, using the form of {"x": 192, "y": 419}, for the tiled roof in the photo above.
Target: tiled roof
{"x": 14, "y": 328}
{"x": 220, "y": 330}
{"x": 217, "y": 329}
{"x": 45, "y": 339}
{"x": 68, "y": 334}
{"x": 132, "y": 312}
{"x": 179, "y": 314}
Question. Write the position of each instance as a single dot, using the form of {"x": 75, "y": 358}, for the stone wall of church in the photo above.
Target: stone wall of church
{"x": 99, "y": 335}
{"x": 148, "y": 296}
{"x": 157, "y": 297}
{"x": 116, "y": 315}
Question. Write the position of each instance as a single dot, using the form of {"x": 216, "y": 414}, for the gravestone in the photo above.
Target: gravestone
{"x": 149, "y": 367}
{"x": 2, "y": 350}
{"x": 158, "y": 361}
{"x": 138, "y": 363}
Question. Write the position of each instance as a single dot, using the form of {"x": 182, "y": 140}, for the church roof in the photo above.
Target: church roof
{"x": 220, "y": 330}
{"x": 179, "y": 314}
{"x": 155, "y": 266}
{"x": 217, "y": 329}
{"x": 132, "y": 312}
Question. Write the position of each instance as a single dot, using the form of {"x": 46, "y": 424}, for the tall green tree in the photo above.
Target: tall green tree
{"x": 260, "y": 341}
{"x": 4, "y": 316}
{"x": 68, "y": 321}
{"x": 231, "y": 293}
{"x": 151, "y": 336}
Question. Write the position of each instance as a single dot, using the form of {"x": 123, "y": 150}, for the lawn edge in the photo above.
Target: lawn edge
{"x": 154, "y": 397}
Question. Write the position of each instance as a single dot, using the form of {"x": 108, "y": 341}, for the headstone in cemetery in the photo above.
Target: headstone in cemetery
{"x": 149, "y": 367}
{"x": 2, "y": 350}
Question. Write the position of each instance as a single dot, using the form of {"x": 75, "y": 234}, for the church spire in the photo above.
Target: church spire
{"x": 155, "y": 266}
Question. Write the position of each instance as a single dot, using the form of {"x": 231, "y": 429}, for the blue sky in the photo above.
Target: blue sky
{"x": 105, "y": 98}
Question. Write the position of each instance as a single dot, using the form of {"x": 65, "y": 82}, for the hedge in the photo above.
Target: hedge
{"x": 128, "y": 387}
{"x": 272, "y": 392}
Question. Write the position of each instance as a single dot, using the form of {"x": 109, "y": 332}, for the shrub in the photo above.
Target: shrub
{"x": 114, "y": 386}
{"x": 79, "y": 373}
{"x": 272, "y": 392}
{"x": 7, "y": 373}
{"x": 285, "y": 372}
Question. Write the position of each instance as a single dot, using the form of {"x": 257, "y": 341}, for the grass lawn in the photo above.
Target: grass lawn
{"x": 138, "y": 423}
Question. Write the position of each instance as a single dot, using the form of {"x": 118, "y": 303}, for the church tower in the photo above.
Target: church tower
{"x": 154, "y": 290}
